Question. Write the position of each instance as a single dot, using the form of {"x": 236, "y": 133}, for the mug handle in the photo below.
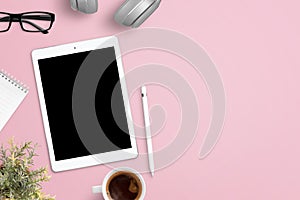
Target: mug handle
{"x": 97, "y": 189}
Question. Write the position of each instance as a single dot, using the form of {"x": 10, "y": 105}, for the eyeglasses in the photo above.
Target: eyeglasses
{"x": 29, "y": 21}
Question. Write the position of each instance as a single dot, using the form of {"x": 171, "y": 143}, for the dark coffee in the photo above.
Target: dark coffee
{"x": 124, "y": 186}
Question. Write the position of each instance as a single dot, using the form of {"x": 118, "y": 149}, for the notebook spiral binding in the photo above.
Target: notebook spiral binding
{"x": 13, "y": 81}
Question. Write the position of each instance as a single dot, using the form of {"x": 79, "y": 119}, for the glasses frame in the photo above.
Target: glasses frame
{"x": 18, "y": 18}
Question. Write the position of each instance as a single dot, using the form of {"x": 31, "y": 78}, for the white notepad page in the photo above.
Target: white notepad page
{"x": 12, "y": 93}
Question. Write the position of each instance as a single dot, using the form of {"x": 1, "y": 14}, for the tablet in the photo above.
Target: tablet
{"x": 84, "y": 104}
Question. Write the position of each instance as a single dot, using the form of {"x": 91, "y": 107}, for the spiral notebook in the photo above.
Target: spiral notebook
{"x": 12, "y": 93}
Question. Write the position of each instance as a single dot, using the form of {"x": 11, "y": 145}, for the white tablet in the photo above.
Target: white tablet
{"x": 84, "y": 103}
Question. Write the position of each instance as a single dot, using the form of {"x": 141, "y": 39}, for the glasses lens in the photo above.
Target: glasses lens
{"x": 36, "y": 21}
{"x": 4, "y": 22}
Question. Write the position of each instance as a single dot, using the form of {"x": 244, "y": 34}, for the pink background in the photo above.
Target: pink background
{"x": 255, "y": 45}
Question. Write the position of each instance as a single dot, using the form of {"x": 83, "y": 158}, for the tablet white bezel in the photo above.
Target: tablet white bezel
{"x": 90, "y": 160}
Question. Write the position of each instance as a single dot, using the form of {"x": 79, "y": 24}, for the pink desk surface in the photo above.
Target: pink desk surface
{"x": 255, "y": 45}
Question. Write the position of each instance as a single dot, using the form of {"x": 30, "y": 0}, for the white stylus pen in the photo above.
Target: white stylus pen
{"x": 147, "y": 127}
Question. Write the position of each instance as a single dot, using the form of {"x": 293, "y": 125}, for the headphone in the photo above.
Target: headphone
{"x": 131, "y": 13}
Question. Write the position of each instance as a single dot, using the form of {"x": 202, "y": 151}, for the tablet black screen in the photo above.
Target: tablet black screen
{"x": 84, "y": 103}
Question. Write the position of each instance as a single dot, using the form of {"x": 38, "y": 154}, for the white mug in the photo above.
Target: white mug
{"x": 103, "y": 188}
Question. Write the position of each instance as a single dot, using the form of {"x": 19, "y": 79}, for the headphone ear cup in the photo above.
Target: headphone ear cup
{"x": 85, "y": 6}
{"x": 135, "y": 12}
{"x": 125, "y": 8}
{"x": 146, "y": 14}
{"x": 74, "y": 5}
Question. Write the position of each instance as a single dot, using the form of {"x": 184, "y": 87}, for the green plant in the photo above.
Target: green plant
{"x": 18, "y": 181}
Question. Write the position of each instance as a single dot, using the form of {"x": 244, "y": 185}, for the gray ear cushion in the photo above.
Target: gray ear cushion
{"x": 146, "y": 14}
{"x": 74, "y": 5}
{"x": 133, "y": 11}
{"x": 85, "y": 6}
{"x": 125, "y": 8}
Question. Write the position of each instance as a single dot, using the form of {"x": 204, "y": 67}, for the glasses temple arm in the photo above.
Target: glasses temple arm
{"x": 36, "y": 26}
{"x": 37, "y": 17}
{"x": 5, "y": 19}
{"x": 45, "y": 18}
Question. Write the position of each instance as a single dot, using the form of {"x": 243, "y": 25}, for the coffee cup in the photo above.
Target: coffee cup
{"x": 122, "y": 183}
